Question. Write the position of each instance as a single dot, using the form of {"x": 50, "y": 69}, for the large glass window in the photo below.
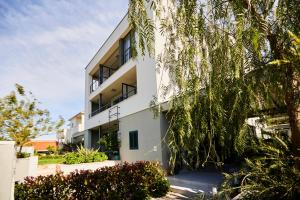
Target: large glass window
{"x": 126, "y": 48}
{"x": 133, "y": 140}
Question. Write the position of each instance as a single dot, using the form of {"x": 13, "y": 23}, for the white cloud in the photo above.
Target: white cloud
{"x": 46, "y": 45}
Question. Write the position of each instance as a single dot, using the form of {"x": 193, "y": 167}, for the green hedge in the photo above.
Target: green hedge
{"x": 141, "y": 180}
{"x": 83, "y": 155}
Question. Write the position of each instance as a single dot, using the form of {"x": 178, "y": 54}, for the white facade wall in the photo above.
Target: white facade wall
{"x": 133, "y": 111}
{"x": 7, "y": 169}
{"x": 145, "y": 72}
{"x": 163, "y": 79}
{"x": 149, "y": 142}
{"x": 26, "y": 167}
{"x": 76, "y": 124}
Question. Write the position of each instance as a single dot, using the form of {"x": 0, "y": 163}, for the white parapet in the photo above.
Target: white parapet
{"x": 7, "y": 167}
{"x": 26, "y": 167}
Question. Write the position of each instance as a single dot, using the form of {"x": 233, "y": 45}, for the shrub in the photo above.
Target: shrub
{"x": 22, "y": 155}
{"x": 42, "y": 187}
{"x": 128, "y": 181}
{"x": 99, "y": 157}
{"x": 272, "y": 174}
{"x": 84, "y": 156}
{"x": 52, "y": 149}
{"x": 51, "y": 156}
{"x": 73, "y": 158}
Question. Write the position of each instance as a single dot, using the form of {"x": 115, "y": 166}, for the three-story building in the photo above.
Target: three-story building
{"x": 118, "y": 92}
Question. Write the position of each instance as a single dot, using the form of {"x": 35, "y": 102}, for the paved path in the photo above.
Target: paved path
{"x": 193, "y": 182}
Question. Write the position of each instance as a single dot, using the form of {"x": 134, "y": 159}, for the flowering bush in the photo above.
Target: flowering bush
{"x": 128, "y": 181}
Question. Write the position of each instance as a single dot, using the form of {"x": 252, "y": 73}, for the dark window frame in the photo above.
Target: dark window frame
{"x": 126, "y": 52}
{"x": 133, "y": 140}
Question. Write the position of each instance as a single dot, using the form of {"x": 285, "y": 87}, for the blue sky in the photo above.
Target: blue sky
{"x": 46, "y": 44}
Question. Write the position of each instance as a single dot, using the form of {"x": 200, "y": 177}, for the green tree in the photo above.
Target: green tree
{"x": 21, "y": 120}
{"x": 221, "y": 55}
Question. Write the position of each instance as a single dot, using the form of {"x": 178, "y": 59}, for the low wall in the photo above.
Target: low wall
{"x": 26, "y": 167}
{"x": 66, "y": 169}
{"x": 7, "y": 167}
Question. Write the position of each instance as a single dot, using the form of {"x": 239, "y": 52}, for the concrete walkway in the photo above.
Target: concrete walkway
{"x": 189, "y": 183}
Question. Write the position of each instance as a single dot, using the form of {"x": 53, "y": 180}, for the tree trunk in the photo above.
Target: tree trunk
{"x": 293, "y": 108}
{"x": 294, "y": 119}
{"x": 20, "y": 149}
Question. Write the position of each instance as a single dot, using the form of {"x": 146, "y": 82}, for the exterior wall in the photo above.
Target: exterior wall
{"x": 145, "y": 74}
{"x": 164, "y": 83}
{"x": 76, "y": 127}
{"x": 134, "y": 113}
{"x": 111, "y": 42}
{"x": 67, "y": 135}
{"x": 164, "y": 125}
{"x": 87, "y": 139}
{"x": 26, "y": 167}
{"x": 77, "y": 124}
{"x": 7, "y": 168}
{"x": 149, "y": 137}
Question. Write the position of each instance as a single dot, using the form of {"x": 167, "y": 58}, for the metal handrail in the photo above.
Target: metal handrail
{"x": 116, "y": 113}
{"x": 103, "y": 77}
{"x": 99, "y": 110}
{"x": 121, "y": 98}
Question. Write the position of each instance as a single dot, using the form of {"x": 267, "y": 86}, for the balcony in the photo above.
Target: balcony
{"x": 120, "y": 90}
{"x": 129, "y": 91}
{"x": 117, "y": 58}
{"x": 102, "y": 75}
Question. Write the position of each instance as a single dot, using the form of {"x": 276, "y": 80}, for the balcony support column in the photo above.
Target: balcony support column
{"x": 101, "y": 74}
{"x": 100, "y": 101}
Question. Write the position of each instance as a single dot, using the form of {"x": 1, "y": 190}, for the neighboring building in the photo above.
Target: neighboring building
{"x": 42, "y": 145}
{"x": 118, "y": 92}
{"x": 75, "y": 132}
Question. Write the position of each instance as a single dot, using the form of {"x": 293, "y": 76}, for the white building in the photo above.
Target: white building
{"x": 118, "y": 92}
{"x": 75, "y": 132}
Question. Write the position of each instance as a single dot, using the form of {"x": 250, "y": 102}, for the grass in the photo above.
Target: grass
{"x": 47, "y": 160}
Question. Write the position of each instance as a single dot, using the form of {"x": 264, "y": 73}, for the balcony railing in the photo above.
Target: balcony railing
{"x": 104, "y": 73}
{"x": 130, "y": 92}
{"x": 94, "y": 85}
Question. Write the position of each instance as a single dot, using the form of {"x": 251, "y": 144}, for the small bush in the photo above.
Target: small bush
{"x": 129, "y": 181}
{"x": 84, "y": 156}
{"x": 22, "y": 155}
{"x": 42, "y": 187}
{"x": 50, "y": 159}
{"x": 99, "y": 157}
{"x": 73, "y": 158}
{"x": 51, "y": 156}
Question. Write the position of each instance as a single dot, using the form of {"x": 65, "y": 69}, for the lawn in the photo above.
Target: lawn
{"x": 55, "y": 160}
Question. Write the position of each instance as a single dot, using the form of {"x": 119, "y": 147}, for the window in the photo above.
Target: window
{"x": 133, "y": 140}
{"x": 127, "y": 48}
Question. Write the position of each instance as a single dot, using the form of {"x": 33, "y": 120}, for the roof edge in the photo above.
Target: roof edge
{"x": 106, "y": 40}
